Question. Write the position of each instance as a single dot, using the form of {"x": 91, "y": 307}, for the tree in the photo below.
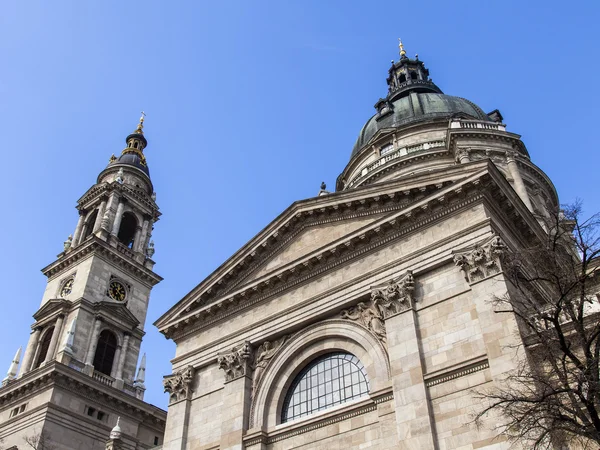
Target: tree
{"x": 553, "y": 398}
{"x": 39, "y": 441}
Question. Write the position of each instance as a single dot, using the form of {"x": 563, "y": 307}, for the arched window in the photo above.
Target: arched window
{"x": 89, "y": 224}
{"x": 44, "y": 345}
{"x": 402, "y": 78}
{"x": 413, "y": 75}
{"x": 329, "y": 380}
{"x": 105, "y": 352}
{"x": 127, "y": 229}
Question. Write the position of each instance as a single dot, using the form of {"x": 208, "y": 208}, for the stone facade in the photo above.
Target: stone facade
{"x": 396, "y": 268}
{"x": 78, "y": 372}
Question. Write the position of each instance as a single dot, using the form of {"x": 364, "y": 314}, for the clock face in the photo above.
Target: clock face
{"x": 116, "y": 291}
{"x": 67, "y": 287}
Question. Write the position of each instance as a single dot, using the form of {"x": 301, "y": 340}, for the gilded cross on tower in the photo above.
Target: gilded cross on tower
{"x": 401, "y": 47}
{"x": 140, "y": 126}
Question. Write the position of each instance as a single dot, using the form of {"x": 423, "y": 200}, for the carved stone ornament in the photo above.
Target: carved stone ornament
{"x": 482, "y": 261}
{"x": 179, "y": 385}
{"x": 263, "y": 356}
{"x": 235, "y": 363}
{"x": 394, "y": 298}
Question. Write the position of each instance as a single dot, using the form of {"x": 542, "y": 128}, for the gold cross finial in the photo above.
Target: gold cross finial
{"x": 140, "y": 126}
{"x": 401, "y": 47}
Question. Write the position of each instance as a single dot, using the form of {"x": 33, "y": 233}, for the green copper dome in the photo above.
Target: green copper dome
{"x": 413, "y": 97}
{"x": 414, "y": 108}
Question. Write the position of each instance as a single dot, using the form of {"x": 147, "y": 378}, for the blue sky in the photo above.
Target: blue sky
{"x": 250, "y": 105}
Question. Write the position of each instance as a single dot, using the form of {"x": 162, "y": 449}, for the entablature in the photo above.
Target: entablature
{"x": 194, "y": 312}
{"x": 96, "y": 246}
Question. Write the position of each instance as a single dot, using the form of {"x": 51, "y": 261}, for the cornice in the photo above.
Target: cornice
{"x": 142, "y": 200}
{"x": 57, "y": 374}
{"x": 198, "y": 314}
{"x": 377, "y": 205}
{"x": 339, "y": 252}
{"x": 485, "y": 134}
{"x": 94, "y": 245}
{"x": 390, "y": 195}
{"x": 320, "y": 420}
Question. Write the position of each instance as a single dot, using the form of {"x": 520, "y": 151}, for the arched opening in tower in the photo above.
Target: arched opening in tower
{"x": 89, "y": 224}
{"x": 105, "y": 352}
{"x": 44, "y": 345}
{"x": 127, "y": 229}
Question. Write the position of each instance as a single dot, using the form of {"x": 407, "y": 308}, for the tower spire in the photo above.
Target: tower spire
{"x": 12, "y": 370}
{"x": 140, "y": 127}
{"x": 401, "y": 48}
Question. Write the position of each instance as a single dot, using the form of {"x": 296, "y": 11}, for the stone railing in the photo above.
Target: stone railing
{"x": 125, "y": 250}
{"x": 478, "y": 124}
{"x": 104, "y": 379}
{"x": 394, "y": 155}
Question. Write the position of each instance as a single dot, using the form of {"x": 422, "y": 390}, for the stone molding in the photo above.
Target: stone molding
{"x": 236, "y": 363}
{"x": 57, "y": 374}
{"x": 334, "y": 292}
{"x": 389, "y": 228}
{"x": 179, "y": 385}
{"x": 94, "y": 245}
{"x": 453, "y": 373}
{"x": 482, "y": 261}
{"x": 320, "y": 420}
{"x": 142, "y": 200}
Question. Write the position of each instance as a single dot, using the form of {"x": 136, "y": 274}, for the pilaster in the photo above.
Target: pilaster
{"x": 180, "y": 386}
{"x": 236, "y": 396}
{"x": 413, "y": 414}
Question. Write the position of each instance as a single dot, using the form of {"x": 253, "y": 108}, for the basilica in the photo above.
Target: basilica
{"x": 359, "y": 318}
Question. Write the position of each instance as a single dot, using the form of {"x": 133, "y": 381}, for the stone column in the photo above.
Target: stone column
{"x": 99, "y": 217}
{"x": 122, "y": 356}
{"x": 519, "y": 185}
{"x": 118, "y": 217}
{"x": 54, "y": 340}
{"x": 462, "y": 155}
{"x": 113, "y": 372}
{"x": 179, "y": 386}
{"x": 78, "y": 228}
{"x": 236, "y": 396}
{"x": 34, "y": 338}
{"x": 89, "y": 359}
{"x": 413, "y": 415}
{"x": 136, "y": 238}
{"x": 140, "y": 244}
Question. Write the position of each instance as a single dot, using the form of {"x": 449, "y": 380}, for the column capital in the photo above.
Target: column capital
{"x": 236, "y": 363}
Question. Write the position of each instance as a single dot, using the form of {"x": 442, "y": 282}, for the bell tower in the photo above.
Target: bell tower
{"x": 90, "y": 323}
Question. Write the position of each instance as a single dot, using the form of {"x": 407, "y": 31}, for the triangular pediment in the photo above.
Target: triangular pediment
{"x": 306, "y": 240}
{"x": 51, "y": 307}
{"x": 117, "y": 311}
{"x": 310, "y": 231}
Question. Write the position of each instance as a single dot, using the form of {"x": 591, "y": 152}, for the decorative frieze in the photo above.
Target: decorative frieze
{"x": 236, "y": 363}
{"x": 180, "y": 384}
{"x": 481, "y": 261}
{"x": 263, "y": 356}
{"x": 394, "y": 298}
